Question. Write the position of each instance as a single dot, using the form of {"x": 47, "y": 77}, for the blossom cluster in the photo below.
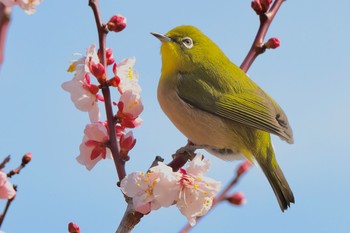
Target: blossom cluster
{"x": 85, "y": 96}
{"x": 27, "y": 5}
{"x": 188, "y": 189}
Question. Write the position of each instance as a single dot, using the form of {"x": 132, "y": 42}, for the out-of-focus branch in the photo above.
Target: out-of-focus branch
{"x": 25, "y": 160}
{"x": 258, "y": 47}
{"x": 5, "y": 13}
{"x": 113, "y": 143}
{"x": 6, "y": 160}
{"x": 8, "y": 203}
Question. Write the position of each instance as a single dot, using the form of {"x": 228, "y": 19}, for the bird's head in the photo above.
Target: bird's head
{"x": 185, "y": 48}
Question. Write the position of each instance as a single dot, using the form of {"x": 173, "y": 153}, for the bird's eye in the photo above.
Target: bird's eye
{"x": 187, "y": 42}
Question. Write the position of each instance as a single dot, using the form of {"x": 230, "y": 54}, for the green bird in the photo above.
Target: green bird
{"x": 218, "y": 107}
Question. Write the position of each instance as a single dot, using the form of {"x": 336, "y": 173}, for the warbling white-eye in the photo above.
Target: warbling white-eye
{"x": 218, "y": 107}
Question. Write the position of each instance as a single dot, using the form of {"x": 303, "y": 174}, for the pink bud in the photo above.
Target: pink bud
{"x": 73, "y": 228}
{"x": 117, "y": 23}
{"x": 243, "y": 167}
{"x": 109, "y": 56}
{"x": 97, "y": 70}
{"x": 265, "y": 5}
{"x": 261, "y": 6}
{"x": 127, "y": 142}
{"x": 237, "y": 199}
{"x": 114, "y": 82}
{"x": 272, "y": 43}
{"x": 256, "y": 6}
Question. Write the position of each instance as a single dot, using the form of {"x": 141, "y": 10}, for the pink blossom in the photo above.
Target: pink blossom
{"x": 128, "y": 76}
{"x": 94, "y": 145}
{"x": 81, "y": 66}
{"x": 84, "y": 96}
{"x": 139, "y": 186}
{"x": 6, "y": 188}
{"x": 197, "y": 192}
{"x": 130, "y": 107}
{"x": 27, "y": 5}
{"x": 191, "y": 192}
{"x": 189, "y": 189}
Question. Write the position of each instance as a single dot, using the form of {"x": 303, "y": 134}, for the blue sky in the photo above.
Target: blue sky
{"x": 308, "y": 76}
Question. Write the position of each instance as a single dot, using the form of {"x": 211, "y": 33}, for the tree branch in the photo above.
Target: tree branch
{"x": 5, "y": 13}
{"x": 8, "y": 203}
{"x": 257, "y": 47}
{"x": 113, "y": 143}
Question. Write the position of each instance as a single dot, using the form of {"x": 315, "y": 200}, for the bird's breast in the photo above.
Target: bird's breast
{"x": 200, "y": 127}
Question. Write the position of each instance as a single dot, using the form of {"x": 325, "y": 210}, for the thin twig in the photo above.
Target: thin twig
{"x": 8, "y": 203}
{"x": 5, "y": 161}
{"x": 257, "y": 47}
{"x": 5, "y": 13}
{"x": 113, "y": 143}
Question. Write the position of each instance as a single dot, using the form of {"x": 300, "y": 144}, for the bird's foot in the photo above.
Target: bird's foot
{"x": 188, "y": 150}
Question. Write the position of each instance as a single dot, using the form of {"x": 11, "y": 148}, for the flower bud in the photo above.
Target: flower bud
{"x": 109, "y": 56}
{"x": 272, "y": 43}
{"x": 127, "y": 142}
{"x": 237, "y": 199}
{"x": 265, "y": 5}
{"x": 73, "y": 228}
{"x": 97, "y": 70}
{"x": 261, "y": 6}
{"x": 243, "y": 167}
{"x": 117, "y": 23}
{"x": 114, "y": 82}
{"x": 26, "y": 158}
{"x": 256, "y": 6}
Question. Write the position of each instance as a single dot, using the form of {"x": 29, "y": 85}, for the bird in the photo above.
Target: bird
{"x": 218, "y": 107}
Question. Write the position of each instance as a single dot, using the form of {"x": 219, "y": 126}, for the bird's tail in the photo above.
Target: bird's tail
{"x": 276, "y": 178}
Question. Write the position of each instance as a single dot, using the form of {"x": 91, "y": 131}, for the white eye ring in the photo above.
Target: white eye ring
{"x": 187, "y": 42}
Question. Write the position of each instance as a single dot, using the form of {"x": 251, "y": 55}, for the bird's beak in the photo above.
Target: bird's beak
{"x": 161, "y": 37}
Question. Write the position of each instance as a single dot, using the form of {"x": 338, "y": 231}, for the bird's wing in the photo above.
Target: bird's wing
{"x": 253, "y": 108}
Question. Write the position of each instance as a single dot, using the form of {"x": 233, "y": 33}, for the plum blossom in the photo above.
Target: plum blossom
{"x": 197, "y": 192}
{"x": 139, "y": 186}
{"x": 94, "y": 145}
{"x": 130, "y": 107}
{"x": 6, "y": 188}
{"x": 128, "y": 76}
{"x": 84, "y": 96}
{"x": 81, "y": 66}
{"x": 191, "y": 192}
{"x": 27, "y": 5}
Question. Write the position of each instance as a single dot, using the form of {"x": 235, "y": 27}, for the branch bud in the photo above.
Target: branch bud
{"x": 26, "y": 158}
{"x": 261, "y": 6}
{"x": 73, "y": 228}
{"x": 117, "y": 23}
{"x": 97, "y": 70}
{"x": 237, "y": 199}
{"x": 243, "y": 167}
{"x": 272, "y": 43}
